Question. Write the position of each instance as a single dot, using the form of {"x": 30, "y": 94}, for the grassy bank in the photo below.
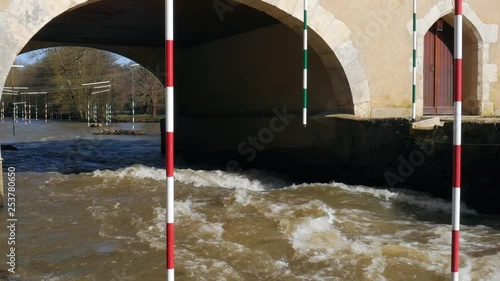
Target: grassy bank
{"x": 139, "y": 118}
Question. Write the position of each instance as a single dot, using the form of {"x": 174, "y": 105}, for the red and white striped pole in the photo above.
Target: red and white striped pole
{"x": 457, "y": 145}
{"x": 3, "y": 111}
{"x": 169, "y": 126}
{"x": 46, "y": 112}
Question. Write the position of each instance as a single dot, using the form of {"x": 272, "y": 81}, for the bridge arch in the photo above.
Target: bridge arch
{"x": 329, "y": 37}
{"x": 477, "y": 39}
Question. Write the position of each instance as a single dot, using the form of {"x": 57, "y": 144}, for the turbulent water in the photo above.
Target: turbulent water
{"x": 93, "y": 208}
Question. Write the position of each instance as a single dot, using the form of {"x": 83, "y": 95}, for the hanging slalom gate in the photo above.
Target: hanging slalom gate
{"x": 108, "y": 114}
{"x": 304, "y": 110}
{"x": 457, "y": 144}
{"x": 414, "y": 77}
{"x": 169, "y": 126}
{"x": 88, "y": 113}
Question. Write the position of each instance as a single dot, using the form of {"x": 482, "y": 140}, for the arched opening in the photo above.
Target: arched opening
{"x": 438, "y": 69}
{"x": 82, "y": 84}
{"x": 251, "y": 59}
{"x": 230, "y": 74}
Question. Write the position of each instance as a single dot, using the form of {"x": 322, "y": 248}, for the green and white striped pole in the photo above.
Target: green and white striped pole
{"x": 414, "y": 86}
{"x": 304, "y": 112}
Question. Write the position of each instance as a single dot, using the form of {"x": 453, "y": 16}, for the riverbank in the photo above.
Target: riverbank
{"x": 142, "y": 118}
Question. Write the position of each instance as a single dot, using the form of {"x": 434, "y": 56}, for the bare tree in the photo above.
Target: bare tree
{"x": 150, "y": 93}
{"x": 61, "y": 71}
{"x": 72, "y": 67}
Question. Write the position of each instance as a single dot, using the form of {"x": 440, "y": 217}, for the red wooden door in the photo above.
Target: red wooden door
{"x": 438, "y": 69}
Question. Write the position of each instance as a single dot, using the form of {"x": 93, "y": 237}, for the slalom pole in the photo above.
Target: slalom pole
{"x": 88, "y": 113}
{"x": 3, "y": 112}
{"x": 46, "y": 112}
{"x": 457, "y": 145}
{"x": 414, "y": 85}
{"x": 169, "y": 126}
{"x": 1, "y": 179}
{"x": 304, "y": 111}
{"x": 14, "y": 120}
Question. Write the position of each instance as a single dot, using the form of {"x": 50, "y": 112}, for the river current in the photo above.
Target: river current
{"x": 93, "y": 208}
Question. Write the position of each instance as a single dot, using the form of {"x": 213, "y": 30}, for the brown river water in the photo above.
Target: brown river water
{"x": 93, "y": 208}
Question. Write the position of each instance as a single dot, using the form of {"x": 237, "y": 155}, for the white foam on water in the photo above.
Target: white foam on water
{"x": 222, "y": 179}
{"x": 309, "y": 227}
{"x": 428, "y": 203}
{"x": 486, "y": 268}
{"x": 376, "y": 269}
{"x": 243, "y": 197}
{"x": 315, "y": 231}
{"x": 153, "y": 232}
{"x": 283, "y": 266}
{"x": 319, "y": 240}
{"x": 186, "y": 210}
{"x": 465, "y": 268}
{"x": 203, "y": 268}
{"x": 98, "y": 212}
{"x": 51, "y": 278}
{"x": 253, "y": 180}
{"x": 135, "y": 171}
{"x": 410, "y": 197}
{"x": 314, "y": 234}
{"x": 480, "y": 261}
{"x": 45, "y": 139}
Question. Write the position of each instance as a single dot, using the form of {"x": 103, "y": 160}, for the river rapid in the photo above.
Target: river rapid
{"x": 93, "y": 208}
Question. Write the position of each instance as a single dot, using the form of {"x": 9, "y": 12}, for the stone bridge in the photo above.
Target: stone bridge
{"x": 244, "y": 57}
{"x": 239, "y": 71}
